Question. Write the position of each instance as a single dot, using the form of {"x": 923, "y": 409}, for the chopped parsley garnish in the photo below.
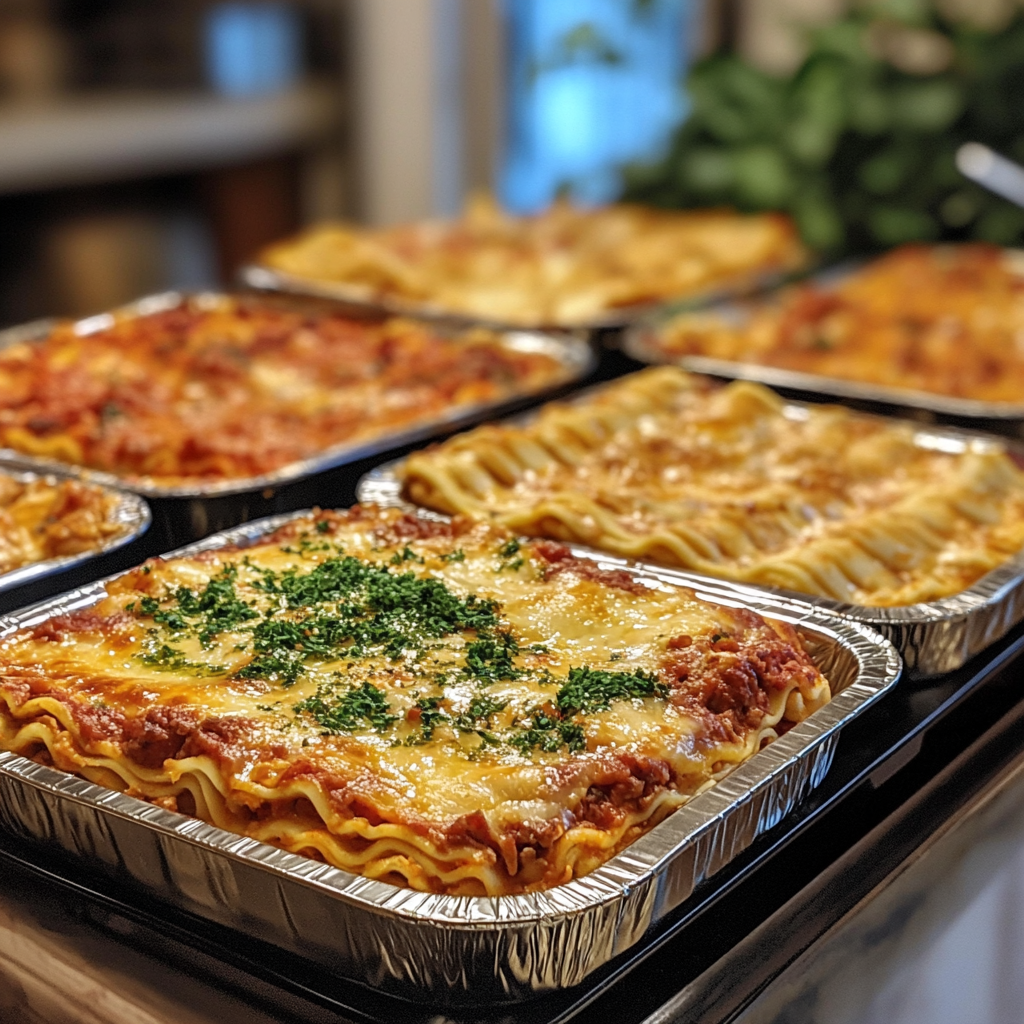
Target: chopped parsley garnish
{"x": 165, "y": 658}
{"x": 323, "y": 526}
{"x": 458, "y": 555}
{"x": 479, "y": 711}
{"x": 431, "y": 716}
{"x": 490, "y": 658}
{"x": 216, "y": 609}
{"x": 361, "y": 707}
{"x": 508, "y": 552}
{"x": 548, "y": 734}
{"x": 405, "y": 555}
{"x": 587, "y": 690}
{"x": 344, "y": 608}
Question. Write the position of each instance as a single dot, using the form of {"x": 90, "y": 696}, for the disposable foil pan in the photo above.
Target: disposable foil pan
{"x": 640, "y": 342}
{"x": 573, "y": 354}
{"x": 266, "y": 279}
{"x": 934, "y": 636}
{"x": 130, "y": 512}
{"x": 452, "y": 948}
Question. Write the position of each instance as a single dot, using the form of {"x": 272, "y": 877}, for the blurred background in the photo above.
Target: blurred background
{"x": 150, "y": 145}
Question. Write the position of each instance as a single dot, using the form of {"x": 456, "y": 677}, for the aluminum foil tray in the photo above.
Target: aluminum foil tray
{"x": 573, "y": 354}
{"x": 266, "y": 279}
{"x": 933, "y": 637}
{"x": 451, "y": 948}
{"x": 131, "y": 512}
{"x": 1002, "y": 417}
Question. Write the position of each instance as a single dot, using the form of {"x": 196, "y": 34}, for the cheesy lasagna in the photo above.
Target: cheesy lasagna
{"x": 434, "y": 704}
{"x": 44, "y": 518}
{"x": 942, "y": 319}
{"x": 735, "y": 483}
{"x": 222, "y": 388}
{"x": 564, "y": 267}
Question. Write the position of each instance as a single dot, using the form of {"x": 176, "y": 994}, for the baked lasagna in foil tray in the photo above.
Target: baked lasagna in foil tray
{"x": 882, "y": 519}
{"x": 213, "y": 393}
{"x": 934, "y": 327}
{"x": 433, "y": 704}
{"x": 566, "y": 267}
{"x": 49, "y": 523}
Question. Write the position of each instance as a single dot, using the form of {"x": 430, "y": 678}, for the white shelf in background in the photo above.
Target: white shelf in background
{"x": 111, "y": 136}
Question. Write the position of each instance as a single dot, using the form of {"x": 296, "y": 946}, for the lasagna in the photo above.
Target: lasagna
{"x": 735, "y": 483}
{"x": 44, "y": 518}
{"x": 564, "y": 267}
{"x": 942, "y": 319}
{"x": 433, "y": 704}
{"x": 222, "y": 388}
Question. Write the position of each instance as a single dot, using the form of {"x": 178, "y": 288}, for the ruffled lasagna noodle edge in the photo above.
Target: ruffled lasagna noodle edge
{"x": 395, "y": 852}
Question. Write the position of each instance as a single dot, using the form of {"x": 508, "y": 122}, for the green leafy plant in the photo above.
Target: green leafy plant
{"x": 859, "y": 143}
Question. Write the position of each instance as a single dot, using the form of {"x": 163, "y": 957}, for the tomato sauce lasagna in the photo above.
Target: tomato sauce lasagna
{"x": 735, "y": 483}
{"x": 942, "y": 319}
{"x": 565, "y": 267}
{"x": 434, "y": 704}
{"x": 223, "y": 388}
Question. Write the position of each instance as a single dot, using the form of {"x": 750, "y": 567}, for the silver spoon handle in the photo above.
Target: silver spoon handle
{"x": 992, "y": 171}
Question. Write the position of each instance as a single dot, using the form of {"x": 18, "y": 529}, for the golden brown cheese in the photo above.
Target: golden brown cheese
{"x": 44, "y": 518}
{"x": 563, "y": 267}
{"x": 734, "y": 483}
{"x": 942, "y": 319}
{"x": 426, "y": 703}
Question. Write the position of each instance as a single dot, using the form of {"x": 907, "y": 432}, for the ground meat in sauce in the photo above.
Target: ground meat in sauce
{"x": 219, "y": 739}
{"x": 159, "y": 734}
{"x": 561, "y": 559}
{"x": 726, "y": 682}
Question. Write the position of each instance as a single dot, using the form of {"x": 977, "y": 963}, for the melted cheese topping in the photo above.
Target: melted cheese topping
{"x": 45, "y": 518}
{"x": 565, "y": 266}
{"x": 431, "y": 704}
{"x": 235, "y": 388}
{"x": 944, "y": 319}
{"x": 732, "y": 483}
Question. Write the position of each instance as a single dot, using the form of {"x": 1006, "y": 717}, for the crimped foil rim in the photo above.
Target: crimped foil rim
{"x": 629, "y": 875}
{"x": 131, "y": 511}
{"x": 574, "y": 354}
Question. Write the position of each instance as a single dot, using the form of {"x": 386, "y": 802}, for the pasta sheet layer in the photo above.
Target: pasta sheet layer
{"x": 734, "y": 483}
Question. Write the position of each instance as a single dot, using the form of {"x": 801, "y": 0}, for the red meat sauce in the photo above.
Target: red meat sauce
{"x": 561, "y": 559}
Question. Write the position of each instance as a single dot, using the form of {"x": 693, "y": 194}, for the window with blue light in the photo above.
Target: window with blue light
{"x": 253, "y": 48}
{"x": 593, "y": 84}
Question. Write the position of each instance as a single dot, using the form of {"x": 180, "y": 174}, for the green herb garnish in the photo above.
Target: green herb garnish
{"x": 490, "y": 658}
{"x": 587, "y": 690}
{"x": 362, "y": 707}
